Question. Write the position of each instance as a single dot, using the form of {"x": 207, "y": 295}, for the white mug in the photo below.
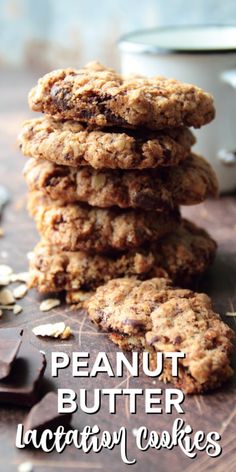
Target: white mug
{"x": 201, "y": 55}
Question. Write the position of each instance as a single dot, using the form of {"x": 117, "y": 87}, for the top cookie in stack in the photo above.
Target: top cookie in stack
{"x": 109, "y": 149}
{"x": 100, "y": 97}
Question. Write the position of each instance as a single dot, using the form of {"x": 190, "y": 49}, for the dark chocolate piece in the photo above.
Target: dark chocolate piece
{"x": 44, "y": 415}
{"x": 10, "y": 341}
{"x": 135, "y": 323}
{"x": 21, "y": 387}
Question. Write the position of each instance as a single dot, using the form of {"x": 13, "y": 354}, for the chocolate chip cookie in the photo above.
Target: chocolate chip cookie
{"x": 99, "y": 96}
{"x": 74, "y": 144}
{"x": 183, "y": 255}
{"x": 189, "y": 183}
{"x": 76, "y": 226}
{"x": 154, "y": 316}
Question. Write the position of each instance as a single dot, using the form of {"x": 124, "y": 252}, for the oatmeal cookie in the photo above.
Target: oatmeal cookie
{"x": 99, "y": 96}
{"x": 51, "y": 270}
{"x": 186, "y": 253}
{"x": 189, "y": 183}
{"x": 183, "y": 256}
{"x": 72, "y": 143}
{"x": 76, "y": 226}
{"x": 154, "y": 316}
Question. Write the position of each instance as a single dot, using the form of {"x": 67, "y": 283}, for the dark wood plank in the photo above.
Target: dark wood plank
{"x": 215, "y": 411}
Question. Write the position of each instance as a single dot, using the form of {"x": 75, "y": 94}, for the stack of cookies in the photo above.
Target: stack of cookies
{"x": 110, "y": 165}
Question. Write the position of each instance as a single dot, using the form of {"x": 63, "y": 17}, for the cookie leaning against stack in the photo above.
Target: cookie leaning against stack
{"x": 110, "y": 163}
{"x": 155, "y": 316}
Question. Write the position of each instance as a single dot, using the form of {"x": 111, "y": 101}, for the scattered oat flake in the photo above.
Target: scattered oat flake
{"x": 1, "y": 233}
{"x": 7, "y": 307}
{"x": 25, "y": 467}
{"x": 17, "y": 309}
{"x": 21, "y": 277}
{"x": 5, "y": 270}
{"x": 233, "y": 313}
{"x": 5, "y": 274}
{"x": 53, "y": 330}
{"x": 4, "y": 280}
{"x": 20, "y": 291}
{"x": 6, "y": 297}
{"x": 49, "y": 303}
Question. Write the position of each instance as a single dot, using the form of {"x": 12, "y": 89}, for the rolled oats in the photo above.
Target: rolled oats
{"x": 53, "y": 330}
{"x": 20, "y": 291}
{"x": 6, "y": 297}
{"x": 17, "y": 309}
{"x": 49, "y": 304}
{"x": 20, "y": 277}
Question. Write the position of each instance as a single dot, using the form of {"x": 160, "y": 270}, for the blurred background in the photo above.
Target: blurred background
{"x": 39, "y": 36}
{"x": 47, "y": 34}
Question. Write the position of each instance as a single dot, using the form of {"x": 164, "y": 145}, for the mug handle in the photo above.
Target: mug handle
{"x": 228, "y": 157}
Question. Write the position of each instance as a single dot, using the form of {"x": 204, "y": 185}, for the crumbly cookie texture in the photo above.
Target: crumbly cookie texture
{"x": 189, "y": 183}
{"x": 183, "y": 255}
{"x": 186, "y": 253}
{"x": 157, "y": 317}
{"x": 99, "y": 96}
{"x": 72, "y": 143}
{"x": 51, "y": 270}
{"x": 81, "y": 227}
{"x": 76, "y": 298}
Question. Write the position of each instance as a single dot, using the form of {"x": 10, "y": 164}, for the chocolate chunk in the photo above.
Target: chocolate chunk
{"x": 61, "y": 97}
{"x": 167, "y": 153}
{"x": 153, "y": 340}
{"x": 21, "y": 387}
{"x": 10, "y": 341}
{"x": 134, "y": 323}
{"x": 177, "y": 340}
{"x": 44, "y": 415}
{"x": 85, "y": 114}
{"x": 146, "y": 200}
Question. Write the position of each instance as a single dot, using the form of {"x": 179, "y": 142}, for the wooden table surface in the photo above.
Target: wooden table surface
{"x": 215, "y": 411}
